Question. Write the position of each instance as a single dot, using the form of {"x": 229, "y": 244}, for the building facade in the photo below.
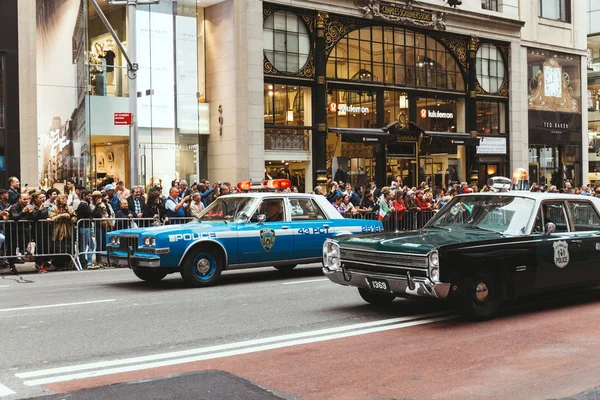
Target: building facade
{"x": 238, "y": 89}
{"x": 593, "y": 91}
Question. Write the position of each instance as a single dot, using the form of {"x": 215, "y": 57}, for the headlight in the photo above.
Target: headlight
{"x": 149, "y": 241}
{"x": 331, "y": 255}
{"x": 114, "y": 240}
{"x": 434, "y": 266}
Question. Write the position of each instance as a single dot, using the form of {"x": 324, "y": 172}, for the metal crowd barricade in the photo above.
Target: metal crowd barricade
{"x": 91, "y": 233}
{"x": 38, "y": 240}
{"x": 410, "y": 220}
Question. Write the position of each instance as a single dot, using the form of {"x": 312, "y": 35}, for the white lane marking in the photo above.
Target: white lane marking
{"x": 222, "y": 347}
{"x": 139, "y": 367}
{"x": 1, "y": 286}
{"x": 309, "y": 281}
{"x": 57, "y": 305}
{"x": 4, "y": 391}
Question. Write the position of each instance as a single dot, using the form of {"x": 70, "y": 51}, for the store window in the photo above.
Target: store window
{"x": 287, "y": 104}
{"x": 395, "y": 108}
{"x": 437, "y": 115}
{"x": 559, "y": 10}
{"x": 490, "y": 68}
{"x": 394, "y": 56}
{"x": 286, "y": 41}
{"x": 491, "y": 117}
{"x": 489, "y": 5}
{"x": 352, "y": 109}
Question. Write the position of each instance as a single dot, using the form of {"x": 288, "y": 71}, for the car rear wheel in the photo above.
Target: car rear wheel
{"x": 285, "y": 268}
{"x": 150, "y": 275}
{"x": 482, "y": 300}
{"x": 202, "y": 267}
{"x": 377, "y": 299}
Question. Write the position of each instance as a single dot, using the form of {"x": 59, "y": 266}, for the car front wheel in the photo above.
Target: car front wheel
{"x": 482, "y": 300}
{"x": 377, "y": 299}
{"x": 201, "y": 268}
{"x": 150, "y": 275}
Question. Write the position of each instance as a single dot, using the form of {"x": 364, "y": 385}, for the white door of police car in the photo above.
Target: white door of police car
{"x": 272, "y": 240}
{"x": 311, "y": 227}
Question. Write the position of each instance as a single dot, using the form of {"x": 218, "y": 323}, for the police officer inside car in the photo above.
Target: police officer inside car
{"x": 274, "y": 213}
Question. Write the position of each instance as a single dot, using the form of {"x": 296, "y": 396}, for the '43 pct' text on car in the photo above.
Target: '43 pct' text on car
{"x": 479, "y": 249}
{"x": 236, "y": 231}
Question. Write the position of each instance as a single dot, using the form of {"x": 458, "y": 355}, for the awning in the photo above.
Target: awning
{"x": 453, "y": 138}
{"x": 366, "y": 135}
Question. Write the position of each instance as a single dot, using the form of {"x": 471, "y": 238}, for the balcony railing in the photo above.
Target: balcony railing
{"x": 286, "y": 139}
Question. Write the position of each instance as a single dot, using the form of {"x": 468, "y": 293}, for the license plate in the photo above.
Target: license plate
{"x": 379, "y": 285}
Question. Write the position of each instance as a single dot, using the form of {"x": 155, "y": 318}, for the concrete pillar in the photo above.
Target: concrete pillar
{"x": 585, "y": 155}
{"x": 28, "y": 93}
{"x": 518, "y": 121}
{"x": 234, "y": 86}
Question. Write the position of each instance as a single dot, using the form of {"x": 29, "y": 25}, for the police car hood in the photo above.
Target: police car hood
{"x": 213, "y": 226}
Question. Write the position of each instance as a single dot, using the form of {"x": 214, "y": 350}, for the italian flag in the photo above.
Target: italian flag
{"x": 383, "y": 210}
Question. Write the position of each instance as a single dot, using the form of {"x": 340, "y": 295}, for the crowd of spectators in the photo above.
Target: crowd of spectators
{"x": 45, "y": 221}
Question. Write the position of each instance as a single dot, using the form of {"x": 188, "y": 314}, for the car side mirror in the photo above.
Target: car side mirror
{"x": 550, "y": 228}
{"x": 243, "y": 216}
{"x": 261, "y": 219}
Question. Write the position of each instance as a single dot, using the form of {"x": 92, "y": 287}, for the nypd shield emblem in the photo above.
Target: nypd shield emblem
{"x": 561, "y": 253}
{"x": 267, "y": 239}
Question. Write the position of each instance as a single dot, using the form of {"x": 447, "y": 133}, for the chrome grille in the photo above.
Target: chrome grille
{"x": 387, "y": 259}
{"x": 128, "y": 241}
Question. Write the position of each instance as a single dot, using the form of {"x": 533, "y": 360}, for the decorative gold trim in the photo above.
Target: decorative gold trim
{"x": 474, "y": 44}
{"x": 308, "y": 71}
{"x": 458, "y": 48}
{"x": 335, "y": 29}
{"x": 537, "y": 99}
{"x": 268, "y": 68}
{"x": 322, "y": 17}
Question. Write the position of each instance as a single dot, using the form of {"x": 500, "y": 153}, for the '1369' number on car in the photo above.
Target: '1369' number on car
{"x": 371, "y": 229}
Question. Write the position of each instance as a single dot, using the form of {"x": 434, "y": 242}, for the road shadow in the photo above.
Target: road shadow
{"x": 228, "y": 278}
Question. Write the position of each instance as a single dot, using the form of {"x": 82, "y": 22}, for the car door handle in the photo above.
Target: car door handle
{"x": 325, "y": 225}
{"x": 576, "y": 241}
{"x": 285, "y": 227}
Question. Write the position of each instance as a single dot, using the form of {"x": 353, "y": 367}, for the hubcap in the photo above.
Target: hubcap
{"x": 203, "y": 266}
{"x": 481, "y": 292}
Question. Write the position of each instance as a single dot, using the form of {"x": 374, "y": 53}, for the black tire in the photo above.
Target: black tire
{"x": 202, "y": 267}
{"x": 286, "y": 268}
{"x": 150, "y": 275}
{"x": 482, "y": 299}
{"x": 374, "y": 298}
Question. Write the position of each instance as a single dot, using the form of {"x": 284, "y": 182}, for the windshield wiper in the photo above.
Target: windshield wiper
{"x": 484, "y": 229}
{"x": 438, "y": 227}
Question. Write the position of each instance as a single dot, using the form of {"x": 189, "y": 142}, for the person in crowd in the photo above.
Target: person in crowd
{"x": 63, "y": 216}
{"x": 356, "y": 196}
{"x": 196, "y": 206}
{"x": 113, "y": 198}
{"x": 86, "y": 212}
{"x": 70, "y": 192}
{"x": 175, "y": 206}
{"x": 136, "y": 202}
{"x": 123, "y": 215}
{"x": 4, "y": 206}
{"x": 122, "y": 192}
{"x": 225, "y": 189}
{"x": 568, "y": 188}
{"x": 206, "y": 193}
{"x": 19, "y": 231}
{"x": 399, "y": 206}
{"x": 338, "y": 204}
{"x": 184, "y": 190}
{"x": 40, "y": 231}
{"x": 152, "y": 209}
{"x": 51, "y": 198}
{"x": 368, "y": 203}
{"x": 349, "y": 209}
{"x": 104, "y": 214}
{"x": 318, "y": 190}
{"x": 376, "y": 192}
{"x": 334, "y": 191}
{"x": 386, "y": 199}
{"x": 14, "y": 190}
{"x": 410, "y": 202}
{"x": 340, "y": 174}
{"x": 421, "y": 202}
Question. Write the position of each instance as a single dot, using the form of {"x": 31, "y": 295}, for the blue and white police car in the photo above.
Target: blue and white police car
{"x": 237, "y": 231}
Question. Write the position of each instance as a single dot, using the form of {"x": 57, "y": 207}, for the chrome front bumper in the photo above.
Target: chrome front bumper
{"x": 399, "y": 285}
{"x": 129, "y": 261}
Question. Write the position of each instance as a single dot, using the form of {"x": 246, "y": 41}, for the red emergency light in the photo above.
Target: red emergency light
{"x": 278, "y": 184}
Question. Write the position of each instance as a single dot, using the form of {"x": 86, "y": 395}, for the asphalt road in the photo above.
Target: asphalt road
{"x": 262, "y": 335}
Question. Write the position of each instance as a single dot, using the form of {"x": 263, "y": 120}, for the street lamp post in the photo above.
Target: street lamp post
{"x": 132, "y": 69}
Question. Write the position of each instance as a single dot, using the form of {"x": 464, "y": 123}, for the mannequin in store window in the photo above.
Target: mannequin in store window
{"x": 109, "y": 56}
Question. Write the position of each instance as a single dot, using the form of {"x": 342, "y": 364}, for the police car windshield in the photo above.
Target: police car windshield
{"x": 502, "y": 214}
{"x": 228, "y": 208}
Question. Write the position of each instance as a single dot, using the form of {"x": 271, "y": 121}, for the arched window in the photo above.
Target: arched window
{"x": 490, "y": 68}
{"x": 286, "y": 41}
{"x": 394, "y": 56}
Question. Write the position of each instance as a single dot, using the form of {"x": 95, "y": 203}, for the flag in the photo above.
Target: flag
{"x": 383, "y": 210}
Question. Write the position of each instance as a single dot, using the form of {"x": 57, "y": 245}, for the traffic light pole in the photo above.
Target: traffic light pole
{"x": 132, "y": 69}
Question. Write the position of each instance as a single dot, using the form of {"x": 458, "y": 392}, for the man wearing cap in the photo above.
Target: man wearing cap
{"x": 113, "y": 198}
